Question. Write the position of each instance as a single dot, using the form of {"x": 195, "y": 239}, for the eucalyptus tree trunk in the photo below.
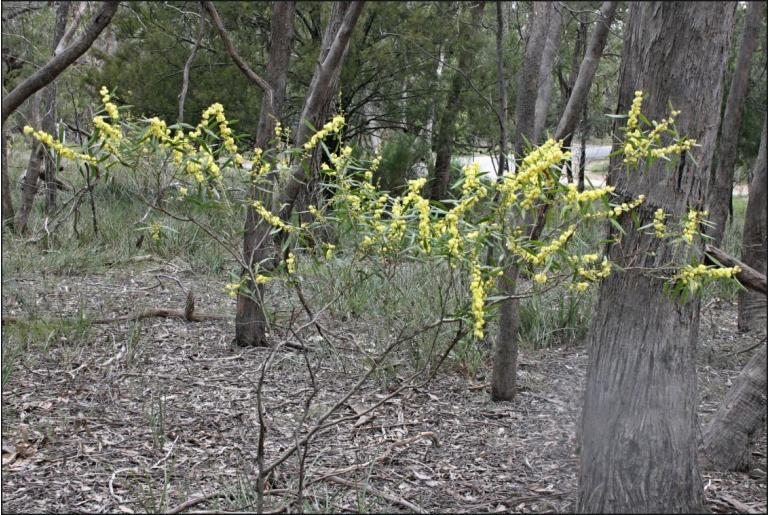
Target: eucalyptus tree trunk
{"x": 752, "y": 306}
{"x": 739, "y": 417}
{"x": 250, "y": 317}
{"x": 506, "y": 346}
{"x": 41, "y": 165}
{"x": 638, "y": 430}
{"x": 445, "y": 137}
{"x": 552, "y": 40}
{"x": 567, "y": 86}
{"x": 720, "y": 190}
{"x": 334, "y": 49}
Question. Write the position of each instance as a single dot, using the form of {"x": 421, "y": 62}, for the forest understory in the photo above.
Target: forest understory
{"x": 144, "y": 416}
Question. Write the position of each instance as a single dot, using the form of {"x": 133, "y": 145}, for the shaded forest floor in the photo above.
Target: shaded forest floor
{"x": 143, "y": 416}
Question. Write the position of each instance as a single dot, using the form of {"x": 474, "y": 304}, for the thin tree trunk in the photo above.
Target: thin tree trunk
{"x": 7, "y": 201}
{"x": 33, "y": 172}
{"x": 552, "y": 40}
{"x": 50, "y": 110}
{"x": 728, "y": 436}
{"x": 639, "y": 422}
{"x": 59, "y": 63}
{"x": 502, "y": 88}
{"x": 324, "y": 79}
{"x": 752, "y": 306}
{"x": 567, "y": 86}
{"x": 250, "y": 319}
{"x": 720, "y": 190}
{"x": 588, "y": 66}
{"x": 526, "y": 93}
{"x": 445, "y": 137}
{"x": 581, "y": 181}
{"x": 506, "y": 346}
{"x": 187, "y": 65}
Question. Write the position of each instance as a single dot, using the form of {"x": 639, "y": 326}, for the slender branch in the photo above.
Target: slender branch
{"x": 253, "y": 77}
{"x": 748, "y": 277}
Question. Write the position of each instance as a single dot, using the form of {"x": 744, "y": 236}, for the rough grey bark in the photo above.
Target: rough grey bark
{"x": 60, "y": 62}
{"x": 721, "y": 181}
{"x": 588, "y": 66}
{"x": 728, "y": 436}
{"x": 638, "y": 432}
{"x": 752, "y": 306}
{"x": 250, "y": 319}
{"x": 33, "y": 172}
{"x": 445, "y": 136}
{"x": 552, "y": 40}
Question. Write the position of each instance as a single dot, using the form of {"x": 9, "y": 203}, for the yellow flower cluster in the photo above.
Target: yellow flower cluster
{"x": 619, "y": 209}
{"x": 659, "y": 223}
{"x": 159, "y": 130}
{"x": 574, "y": 196}
{"x": 233, "y": 288}
{"x": 640, "y": 145}
{"x": 532, "y": 168}
{"x": 693, "y": 276}
{"x": 155, "y": 231}
{"x": 112, "y": 109}
{"x": 270, "y": 218}
{"x": 329, "y": 250}
{"x": 334, "y": 126}
{"x": 691, "y": 225}
{"x": 545, "y": 251}
{"x": 478, "y": 296}
{"x": 290, "y": 264}
{"x": 49, "y": 141}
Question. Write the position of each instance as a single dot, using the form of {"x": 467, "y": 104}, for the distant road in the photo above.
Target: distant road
{"x": 593, "y": 153}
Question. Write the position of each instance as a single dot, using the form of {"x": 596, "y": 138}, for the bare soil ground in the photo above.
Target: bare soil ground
{"x": 143, "y": 416}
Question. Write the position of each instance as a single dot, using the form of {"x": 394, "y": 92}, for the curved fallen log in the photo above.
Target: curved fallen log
{"x": 748, "y": 277}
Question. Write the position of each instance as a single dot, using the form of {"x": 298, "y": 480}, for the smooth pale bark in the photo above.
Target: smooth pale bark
{"x": 526, "y": 93}
{"x": 250, "y": 319}
{"x": 552, "y": 40}
{"x": 45, "y": 75}
{"x": 588, "y": 67}
{"x": 326, "y": 75}
{"x": 752, "y": 306}
{"x": 721, "y": 182}
{"x": 502, "y": 89}
{"x": 638, "y": 432}
{"x": 186, "y": 69}
{"x": 728, "y": 436}
{"x": 50, "y": 110}
{"x": 567, "y": 86}
{"x": 445, "y": 137}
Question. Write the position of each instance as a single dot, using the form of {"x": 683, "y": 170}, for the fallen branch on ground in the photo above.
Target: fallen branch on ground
{"x": 385, "y": 495}
{"x": 748, "y": 277}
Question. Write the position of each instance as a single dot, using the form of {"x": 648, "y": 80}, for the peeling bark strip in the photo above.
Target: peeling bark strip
{"x": 721, "y": 180}
{"x": 727, "y": 438}
{"x": 752, "y": 307}
{"x": 58, "y": 64}
{"x": 638, "y": 431}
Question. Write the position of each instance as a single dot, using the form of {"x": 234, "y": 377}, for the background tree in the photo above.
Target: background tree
{"x": 638, "y": 427}
{"x": 720, "y": 190}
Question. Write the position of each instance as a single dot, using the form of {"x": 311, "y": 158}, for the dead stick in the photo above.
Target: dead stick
{"x": 194, "y": 502}
{"x": 748, "y": 277}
